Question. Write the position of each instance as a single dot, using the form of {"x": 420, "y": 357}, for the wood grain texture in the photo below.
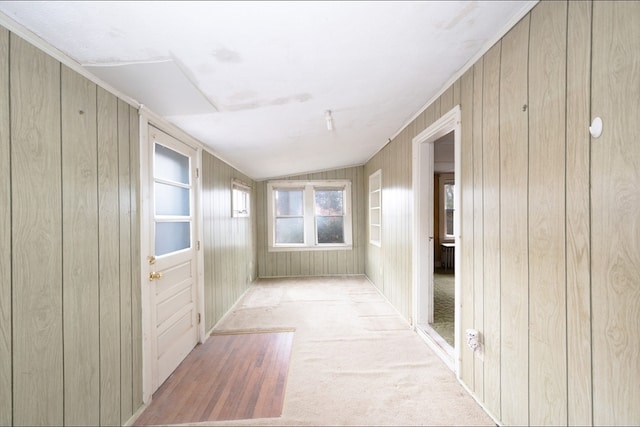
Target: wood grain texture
{"x": 229, "y": 243}
{"x": 36, "y": 235}
{"x": 207, "y": 243}
{"x": 136, "y": 290}
{"x": 615, "y": 202}
{"x": 547, "y": 275}
{"x": 108, "y": 250}
{"x": 229, "y": 377}
{"x": 124, "y": 184}
{"x": 491, "y": 227}
{"x": 446, "y": 101}
{"x": 579, "y": 396}
{"x": 478, "y": 228}
{"x": 466, "y": 223}
{"x": 6, "y": 400}
{"x": 80, "y": 247}
{"x": 514, "y": 265}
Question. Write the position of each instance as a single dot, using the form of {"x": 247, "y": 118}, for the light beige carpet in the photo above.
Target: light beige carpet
{"x": 354, "y": 360}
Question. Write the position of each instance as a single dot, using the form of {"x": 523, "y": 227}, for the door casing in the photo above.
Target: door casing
{"x": 423, "y": 170}
{"x": 147, "y": 118}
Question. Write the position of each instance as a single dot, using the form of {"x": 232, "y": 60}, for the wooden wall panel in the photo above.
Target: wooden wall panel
{"x": 446, "y": 100}
{"x": 108, "y": 254}
{"x": 6, "y": 401}
{"x": 478, "y": 227}
{"x": 615, "y": 168}
{"x": 207, "y": 244}
{"x": 555, "y": 257}
{"x": 124, "y": 183}
{"x": 80, "y": 247}
{"x": 68, "y": 149}
{"x": 36, "y": 236}
{"x": 316, "y": 263}
{"x": 229, "y": 243}
{"x": 491, "y": 226}
{"x": 136, "y": 285}
{"x": 547, "y": 268}
{"x": 466, "y": 221}
{"x": 577, "y": 219}
{"x": 514, "y": 145}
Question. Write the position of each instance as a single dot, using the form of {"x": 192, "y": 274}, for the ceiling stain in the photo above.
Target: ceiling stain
{"x": 301, "y": 97}
{"x": 226, "y": 55}
{"x": 460, "y": 16}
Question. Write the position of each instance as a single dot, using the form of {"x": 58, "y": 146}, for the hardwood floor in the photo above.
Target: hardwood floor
{"x": 229, "y": 377}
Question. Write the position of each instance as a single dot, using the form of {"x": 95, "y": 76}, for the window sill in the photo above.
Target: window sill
{"x": 310, "y": 248}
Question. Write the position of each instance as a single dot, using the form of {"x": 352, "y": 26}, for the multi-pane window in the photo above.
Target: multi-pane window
{"x": 447, "y": 206}
{"x": 289, "y": 216}
{"x": 241, "y": 199}
{"x": 448, "y": 210}
{"x": 375, "y": 208}
{"x": 311, "y": 215}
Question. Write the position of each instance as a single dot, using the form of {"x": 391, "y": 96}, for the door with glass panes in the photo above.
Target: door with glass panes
{"x": 172, "y": 254}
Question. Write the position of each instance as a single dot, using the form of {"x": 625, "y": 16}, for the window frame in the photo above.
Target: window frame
{"x": 445, "y": 179}
{"x": 310, "y": 240}
{"x": 246, "y": 190}
{"x": 375, "y": 208}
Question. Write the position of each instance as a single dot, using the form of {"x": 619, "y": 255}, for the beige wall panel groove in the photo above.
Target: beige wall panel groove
{"x": 478, "y": 227}
{"x": 36, "y": 234}
{"x": 124, "y": 203}
{"x": 547, "y": 276}
{"x": 229, "y": 243}
{"x": 136, "y": 291}
{"x": 514, "y": 265}
{"x": 579, "y": 397}
{"x": 615, "y": 168}
{"x": 80, "y": 247}
{"x": 108, "y": 254}
{"x": 446, "y": 100}
{"x": 6, "y": 401}
{"x": 491, "y": 226}
{"x": 207, "y": 244}
{"x": 466, "y": 222}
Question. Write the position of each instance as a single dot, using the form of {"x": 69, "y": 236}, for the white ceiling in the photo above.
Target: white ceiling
{"x": 252, "y": 80}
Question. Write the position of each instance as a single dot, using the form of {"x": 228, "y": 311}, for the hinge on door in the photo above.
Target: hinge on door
{"x": 197, "y": 173}
{"x": 198, "y": 318}
{"x": 198, "y": 245}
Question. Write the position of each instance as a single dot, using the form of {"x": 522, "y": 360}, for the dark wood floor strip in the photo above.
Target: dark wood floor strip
{"x": 229, "y": 377}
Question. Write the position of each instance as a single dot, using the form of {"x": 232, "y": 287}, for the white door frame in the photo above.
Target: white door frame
{"x": 148, "y": 118}
{"x": 423, "y": 168}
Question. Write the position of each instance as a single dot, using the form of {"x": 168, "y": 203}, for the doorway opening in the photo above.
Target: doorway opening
{"x": 436, "y": 286}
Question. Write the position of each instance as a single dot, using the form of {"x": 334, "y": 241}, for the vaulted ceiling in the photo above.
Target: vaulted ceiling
{"x": 253, "y": 81}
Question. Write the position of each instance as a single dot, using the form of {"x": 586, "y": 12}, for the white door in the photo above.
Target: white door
{"x": 172, "y": 254}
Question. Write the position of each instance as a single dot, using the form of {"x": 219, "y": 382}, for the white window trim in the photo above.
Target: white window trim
{"x": 374, "y": 178}
{"x": 240, "y": 186}
{"x": 310, "y": 236}
{"x": 445, "y": 178}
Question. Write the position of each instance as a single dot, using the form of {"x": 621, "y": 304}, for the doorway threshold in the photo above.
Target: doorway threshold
{"x": 438, "y": 344}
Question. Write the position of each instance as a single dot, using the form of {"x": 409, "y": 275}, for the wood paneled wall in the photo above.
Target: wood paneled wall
{"x": 388, "y": 266}
{"x": 549, "y": 217}
{"x": 316, "y": 263}
{"x": 229, "y": 243}
{"x": 70, "y": 337}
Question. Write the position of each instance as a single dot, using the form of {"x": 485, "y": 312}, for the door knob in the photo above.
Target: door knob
{"x": 154, "y": 276}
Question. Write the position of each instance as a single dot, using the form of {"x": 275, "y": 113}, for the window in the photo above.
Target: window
{"x": 240, "y": 199}
{"x": 447, "y": 188}
{"x": 314, "y": 215}
{"x": 375, "y": 208}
